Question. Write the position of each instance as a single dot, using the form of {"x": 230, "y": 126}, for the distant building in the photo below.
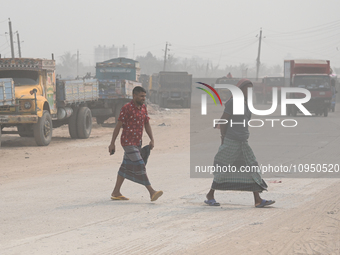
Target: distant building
{"x": 103, "y": 53}
{"x": 123, "y": 52}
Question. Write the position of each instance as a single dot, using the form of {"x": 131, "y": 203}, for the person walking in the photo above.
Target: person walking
{"x": 235, "y": 151}
{"x": 133, "y": 118}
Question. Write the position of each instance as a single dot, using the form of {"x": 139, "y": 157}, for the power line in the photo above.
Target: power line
{"x": 231, "y": 48}
{"x": 305, "y": 30}
{"x": 233, "y": 40}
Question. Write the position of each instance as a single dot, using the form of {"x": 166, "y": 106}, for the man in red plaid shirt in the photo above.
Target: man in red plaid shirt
{"x": 133, "y": 118}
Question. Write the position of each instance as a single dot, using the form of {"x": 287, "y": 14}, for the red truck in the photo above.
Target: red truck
{"x": 313, "y": 75}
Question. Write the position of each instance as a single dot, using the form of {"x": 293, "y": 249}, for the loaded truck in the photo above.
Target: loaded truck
{"x": 33, "y": 101}
{"x": 313, "y": 75}
{"x": 171, "y": 87}
{"x": 116, "y": 77}
{"x": 268, "y": 84}
{"x": 144, "y": 79}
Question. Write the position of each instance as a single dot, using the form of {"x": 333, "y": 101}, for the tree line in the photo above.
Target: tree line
{"x": 198, "y": 67}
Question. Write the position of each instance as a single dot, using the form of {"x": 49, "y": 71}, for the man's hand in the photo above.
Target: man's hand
{"x": 152, "y": 144}
{"x": 112, "y": 147}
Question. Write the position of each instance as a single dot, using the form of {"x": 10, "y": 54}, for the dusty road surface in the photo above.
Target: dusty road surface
{"x": 56, "y": 199}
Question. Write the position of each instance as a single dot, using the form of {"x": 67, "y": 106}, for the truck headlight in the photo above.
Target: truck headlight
{"x": 27, "y": 105}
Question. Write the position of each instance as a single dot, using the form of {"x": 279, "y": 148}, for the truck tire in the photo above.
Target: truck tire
{"x": 25, "y": 131}
{"x": 84, "y": 123}
{"x": 72, "y": 124}
{"x": 325, "y": 112}
{"x": 43, "y": 129}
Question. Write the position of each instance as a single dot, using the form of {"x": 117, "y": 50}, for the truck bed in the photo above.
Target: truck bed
{"x": 112, "y": 89}
{"x": 77, "y": 91}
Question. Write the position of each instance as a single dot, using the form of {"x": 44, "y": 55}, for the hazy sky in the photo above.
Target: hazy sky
{"x": 222, "y": 32}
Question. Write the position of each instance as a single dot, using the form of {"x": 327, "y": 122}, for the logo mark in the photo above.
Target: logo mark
{"x": 204, "y": 97}
{"x": 238, "y": 99}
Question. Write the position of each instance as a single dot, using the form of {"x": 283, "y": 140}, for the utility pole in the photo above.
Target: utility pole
{"x": 19, "y": 48}
{"x": 11, "y": 37}
{"x": 258, "y": 62}
{"x": 77, "y": 63}
{"x": 165, "y": 54}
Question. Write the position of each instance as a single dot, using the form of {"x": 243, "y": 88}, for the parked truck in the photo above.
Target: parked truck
{"x": 33, "y": 101}
{"x": 144, "y": 79}
{"x": 313, "y": 75}
{"x": 269, "y": 82}
{"x": 117, "y": 77}
{"x": 171, "y": 87}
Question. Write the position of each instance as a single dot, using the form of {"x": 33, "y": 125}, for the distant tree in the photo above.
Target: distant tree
{"x": 150, "y": 64}
{"x": 67, "y": 66}
{"x": 172, "y": 64}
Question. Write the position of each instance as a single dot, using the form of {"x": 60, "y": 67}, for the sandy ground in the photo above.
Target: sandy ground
{"x": 56, "y": 200}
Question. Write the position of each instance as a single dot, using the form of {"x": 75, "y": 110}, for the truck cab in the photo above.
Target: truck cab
{"x": 172, "y": 87}
{"x": 34, "y": 90}
{"x": 117, "y": 77}
{"x": 313, "y": 75}
{"x": 321, "y": 91}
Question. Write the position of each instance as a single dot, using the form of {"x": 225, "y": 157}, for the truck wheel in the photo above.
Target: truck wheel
{"x": 84, "y": 123}
{"x": 72, "y": 124}
{"x": 25, "y": 131}
{"x": 325, "y": 112}
{"x": 43, "y": 129}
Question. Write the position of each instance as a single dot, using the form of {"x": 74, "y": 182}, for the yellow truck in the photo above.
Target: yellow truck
{"x": 33, "y": 101}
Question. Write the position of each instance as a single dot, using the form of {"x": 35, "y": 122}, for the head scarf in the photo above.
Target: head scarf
{"x": 244, "y": 82}
{"x": 241, "y": 84}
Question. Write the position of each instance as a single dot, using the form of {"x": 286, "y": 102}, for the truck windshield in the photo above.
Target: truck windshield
{"x": 314, "y": 82}
{"x": 274, "y": 81}
{"x": 21, "y": 77}
{"x": 175, "y": 81}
